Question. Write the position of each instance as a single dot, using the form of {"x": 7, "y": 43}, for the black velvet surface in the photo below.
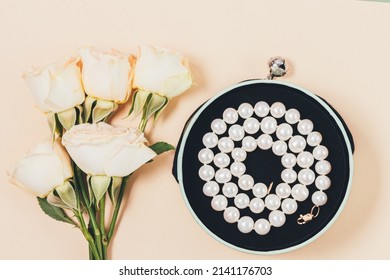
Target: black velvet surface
{"x": 266, "y": 167}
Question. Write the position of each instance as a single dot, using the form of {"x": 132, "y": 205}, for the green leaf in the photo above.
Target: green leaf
{"x": 161, "y": 147}
{"x": 54, "y": 212}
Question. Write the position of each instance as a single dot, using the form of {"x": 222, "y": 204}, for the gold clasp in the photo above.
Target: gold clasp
{"x": 303, "y": 219}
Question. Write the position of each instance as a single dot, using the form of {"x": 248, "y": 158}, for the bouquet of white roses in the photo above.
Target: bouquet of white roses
{"x": 87, "y": 161}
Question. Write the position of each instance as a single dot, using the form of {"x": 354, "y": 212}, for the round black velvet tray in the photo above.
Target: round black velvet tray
{"x": 264, "y": 166}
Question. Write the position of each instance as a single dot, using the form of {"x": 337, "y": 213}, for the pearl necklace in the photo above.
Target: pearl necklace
{"x": 257, "y": 195}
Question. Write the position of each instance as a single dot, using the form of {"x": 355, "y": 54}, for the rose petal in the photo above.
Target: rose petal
{"x": 128, "y": 159}
{"x": 106, "y": 74}
{"x": 102, "y": 149}
{"x": 42, "y": 169}
{"x": 162, "y": 72}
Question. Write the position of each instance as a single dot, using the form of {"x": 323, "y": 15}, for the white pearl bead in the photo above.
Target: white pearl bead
{"x": 279, "y": 148}
{"x": 230, "y": 116}
{"x": 277, "y": 218}
{"x": 306, "y": 177}
{"x": 289, "y": 160}
{"x": 249, "y": 143}
{"x": 323, "y": 182}
{"x": 211, "y": 188}
{"x": 323, "y": 167}
{"x": 319, "y": 198}
{"x": 210, "y": 140}
{"x": 320, "y": 152}
{"x": 278, "y": 109}
{"x": 289, "y": 206}
{"x": 268, "y": 125}
{"x": 251, "y": 125}
{"x": 218, "y": 126}
{"x": 314, "y": 138}
{"x": 261, "y": 109}
{"x": 297, "y": 144}
{"x": 264, "y": 141}
{"x": 205, "y": 155}
{"x": 292, "y": 116}
{"x": 237, "y": 169}
{"x": 221, "y": 160}
{"x": 241, "y": 200}
{"x": 305, "y": 126}
{"x": 245, "y": 110}
{"x": 284, "y": 131}
{"x": 225, "y": 145}
{"x": 230, "y": 190}
{"x": 245, "y": 224}
{"x": 283, "y": 190}
{"x": 236, "y": 132}
{"x": 231, "y": 214}
{"x": 246, "y": 182}
{"x": 239, "y": 154}
{"x": 299, "y": 192}
{"x": 219, "y": 203}
{"x": 305, "y": 159}
{"x": 206, "y": 172}
{"x": 289, "y": 175}
{"x": 272, "y": 202}
{"x": 260, "y": 190}
{"x": 262, "y": 226}
{"x": 256, "y": 205}
{"x": 223, "y": 175}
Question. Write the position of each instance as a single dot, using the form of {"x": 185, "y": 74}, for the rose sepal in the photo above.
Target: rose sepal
{"x": 149, "y": 103}
{"x": 114, "y": 189}
{"x": 96, "y": 110}
{"x": 64, "y": 196}
{"x": 99, "y": 185}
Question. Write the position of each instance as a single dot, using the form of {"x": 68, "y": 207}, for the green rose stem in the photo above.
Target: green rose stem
{"x": 102, "y": 225}
{"x": 116, "y": 209}
{"x": 90, "y": 210}
{"x": 87, "y": 235}
{"x": 93, "y": 253}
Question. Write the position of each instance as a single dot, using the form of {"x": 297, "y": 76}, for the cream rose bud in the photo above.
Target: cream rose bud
{"x": 41, "y": 170}
{"x": 160, "y": 71}
{"x": 57, "y": 87}
{"x": 106, "y": 74}
{"x": 102, "y": 149}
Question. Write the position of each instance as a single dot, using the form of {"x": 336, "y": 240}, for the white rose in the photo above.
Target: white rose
{"x": 56, "y": 87}
{"x": 101, "y": 149}
{"x": 160, "y": 71}
{"x": 41, "y": 170}
{"x": 106, "y": 74}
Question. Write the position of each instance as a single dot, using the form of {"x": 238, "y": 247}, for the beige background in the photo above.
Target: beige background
{"x": 337, "y": 49}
